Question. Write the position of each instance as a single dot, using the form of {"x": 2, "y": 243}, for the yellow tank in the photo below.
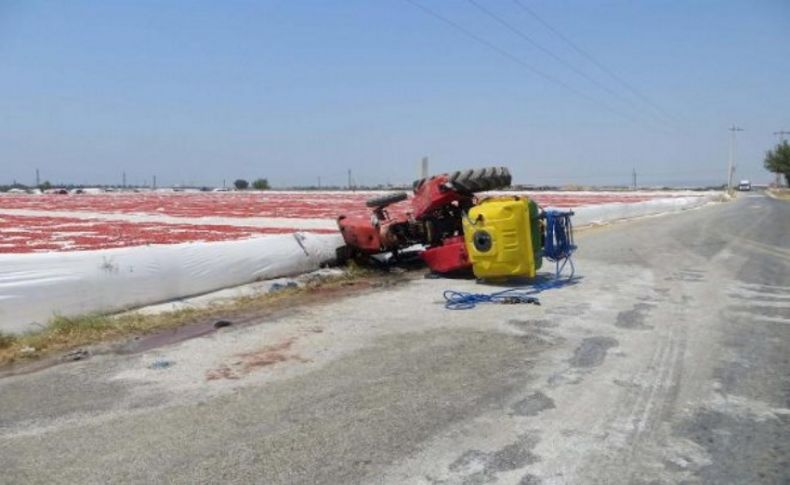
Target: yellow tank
{"x": 499, "y": 239}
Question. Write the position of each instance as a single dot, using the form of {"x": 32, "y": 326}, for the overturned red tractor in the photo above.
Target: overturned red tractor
{"x": 456, "y": 230}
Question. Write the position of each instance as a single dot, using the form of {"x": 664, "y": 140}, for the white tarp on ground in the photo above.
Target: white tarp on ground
{"x": 604, "y": 213}
{"x": 34, "y": 287}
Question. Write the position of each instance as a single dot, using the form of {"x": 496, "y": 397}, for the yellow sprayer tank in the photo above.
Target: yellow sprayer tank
{"x": 502, "y": 237}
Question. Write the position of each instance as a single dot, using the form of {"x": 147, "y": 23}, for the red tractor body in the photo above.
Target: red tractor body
{"x": 435, "y": 219}
{"x": 450, "y": 256}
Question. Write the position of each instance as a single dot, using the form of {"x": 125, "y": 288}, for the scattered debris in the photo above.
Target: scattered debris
{"x": 27, "y": 350}
{"x": 161, "y": 364}
{"x": 282, "y": 286}
{"x": 222, "y": 323}
{"x": 76, "y": 355}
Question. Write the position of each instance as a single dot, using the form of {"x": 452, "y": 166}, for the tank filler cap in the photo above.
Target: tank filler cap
{"x": 482, "y": 241}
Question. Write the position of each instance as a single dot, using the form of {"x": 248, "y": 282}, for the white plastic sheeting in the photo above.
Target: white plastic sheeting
{"x": 34, "y": 287}
{"x": 604, "y": 213}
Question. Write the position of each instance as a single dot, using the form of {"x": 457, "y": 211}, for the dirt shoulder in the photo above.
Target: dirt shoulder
{"x": 780, "y": 194}
{"x": 74, "y": 338}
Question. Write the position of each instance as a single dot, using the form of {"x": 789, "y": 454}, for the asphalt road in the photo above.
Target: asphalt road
{"x": 667, "y": 362}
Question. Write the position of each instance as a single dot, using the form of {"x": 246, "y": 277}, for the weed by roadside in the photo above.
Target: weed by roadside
{"x": 6, "y": 340}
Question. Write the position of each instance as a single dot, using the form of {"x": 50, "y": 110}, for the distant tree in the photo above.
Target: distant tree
{"x": 778, "y": 160}
{"x": 260, "y": 184}
{"x": 241, "y": 184}
{"x": 45, "y": 185}
{"x": 15, "y": 185}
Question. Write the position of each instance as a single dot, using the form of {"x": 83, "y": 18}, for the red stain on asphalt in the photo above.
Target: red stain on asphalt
{"x": 249, "y": 361}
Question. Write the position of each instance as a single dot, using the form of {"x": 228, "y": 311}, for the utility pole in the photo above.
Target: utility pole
{"x": 319, "y": 182}
{"x": 38, "y": 179}
{"x": 633, "y": 175}
{"x": 349, "y": 179}
{"x": 731, "y": 166}
{"x": 424, "y": 168}
{"x": 123, "y": 178}
{"x": 153, "y": 184}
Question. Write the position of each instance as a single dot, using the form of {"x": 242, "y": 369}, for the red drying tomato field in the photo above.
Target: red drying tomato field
{"x": 307, "y": 205}
{"x": 40, "y": 223}
{"x": 27, "y": 234}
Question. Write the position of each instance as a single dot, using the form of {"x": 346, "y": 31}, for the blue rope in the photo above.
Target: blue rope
{"x": 461, "y": 300}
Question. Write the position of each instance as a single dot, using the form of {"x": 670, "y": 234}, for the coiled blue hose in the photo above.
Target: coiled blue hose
{"x": 559, "y": 245}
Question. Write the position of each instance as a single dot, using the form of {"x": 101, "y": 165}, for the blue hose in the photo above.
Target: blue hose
{"x": 461, "y": 300}
{"x": 559, "y": 245}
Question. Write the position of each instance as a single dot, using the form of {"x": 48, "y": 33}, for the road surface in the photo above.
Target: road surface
{"x": 669, "y": 361}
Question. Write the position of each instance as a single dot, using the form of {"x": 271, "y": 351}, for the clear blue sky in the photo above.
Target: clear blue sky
{"x": 197, "y": 92}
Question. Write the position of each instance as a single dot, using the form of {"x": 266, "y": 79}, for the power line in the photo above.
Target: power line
{"x": 598, "y": 64}
{"x": 551, "y": 54}
{"x": 516, "y": 59}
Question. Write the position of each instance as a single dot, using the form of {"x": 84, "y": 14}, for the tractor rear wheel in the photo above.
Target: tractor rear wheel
{"x": 481, "y": 179}
{"x": 386, "y": 199}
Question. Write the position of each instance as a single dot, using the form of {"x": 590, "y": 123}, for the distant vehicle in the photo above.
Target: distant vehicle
{"x": 745, "y": 186}
{"x": 221, "y": 189}
{"x": 58, "y": 191}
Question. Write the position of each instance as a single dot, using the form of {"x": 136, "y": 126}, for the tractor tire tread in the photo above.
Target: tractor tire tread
{"x": 482, "y": 179}
{"x": 386, "y": 199}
